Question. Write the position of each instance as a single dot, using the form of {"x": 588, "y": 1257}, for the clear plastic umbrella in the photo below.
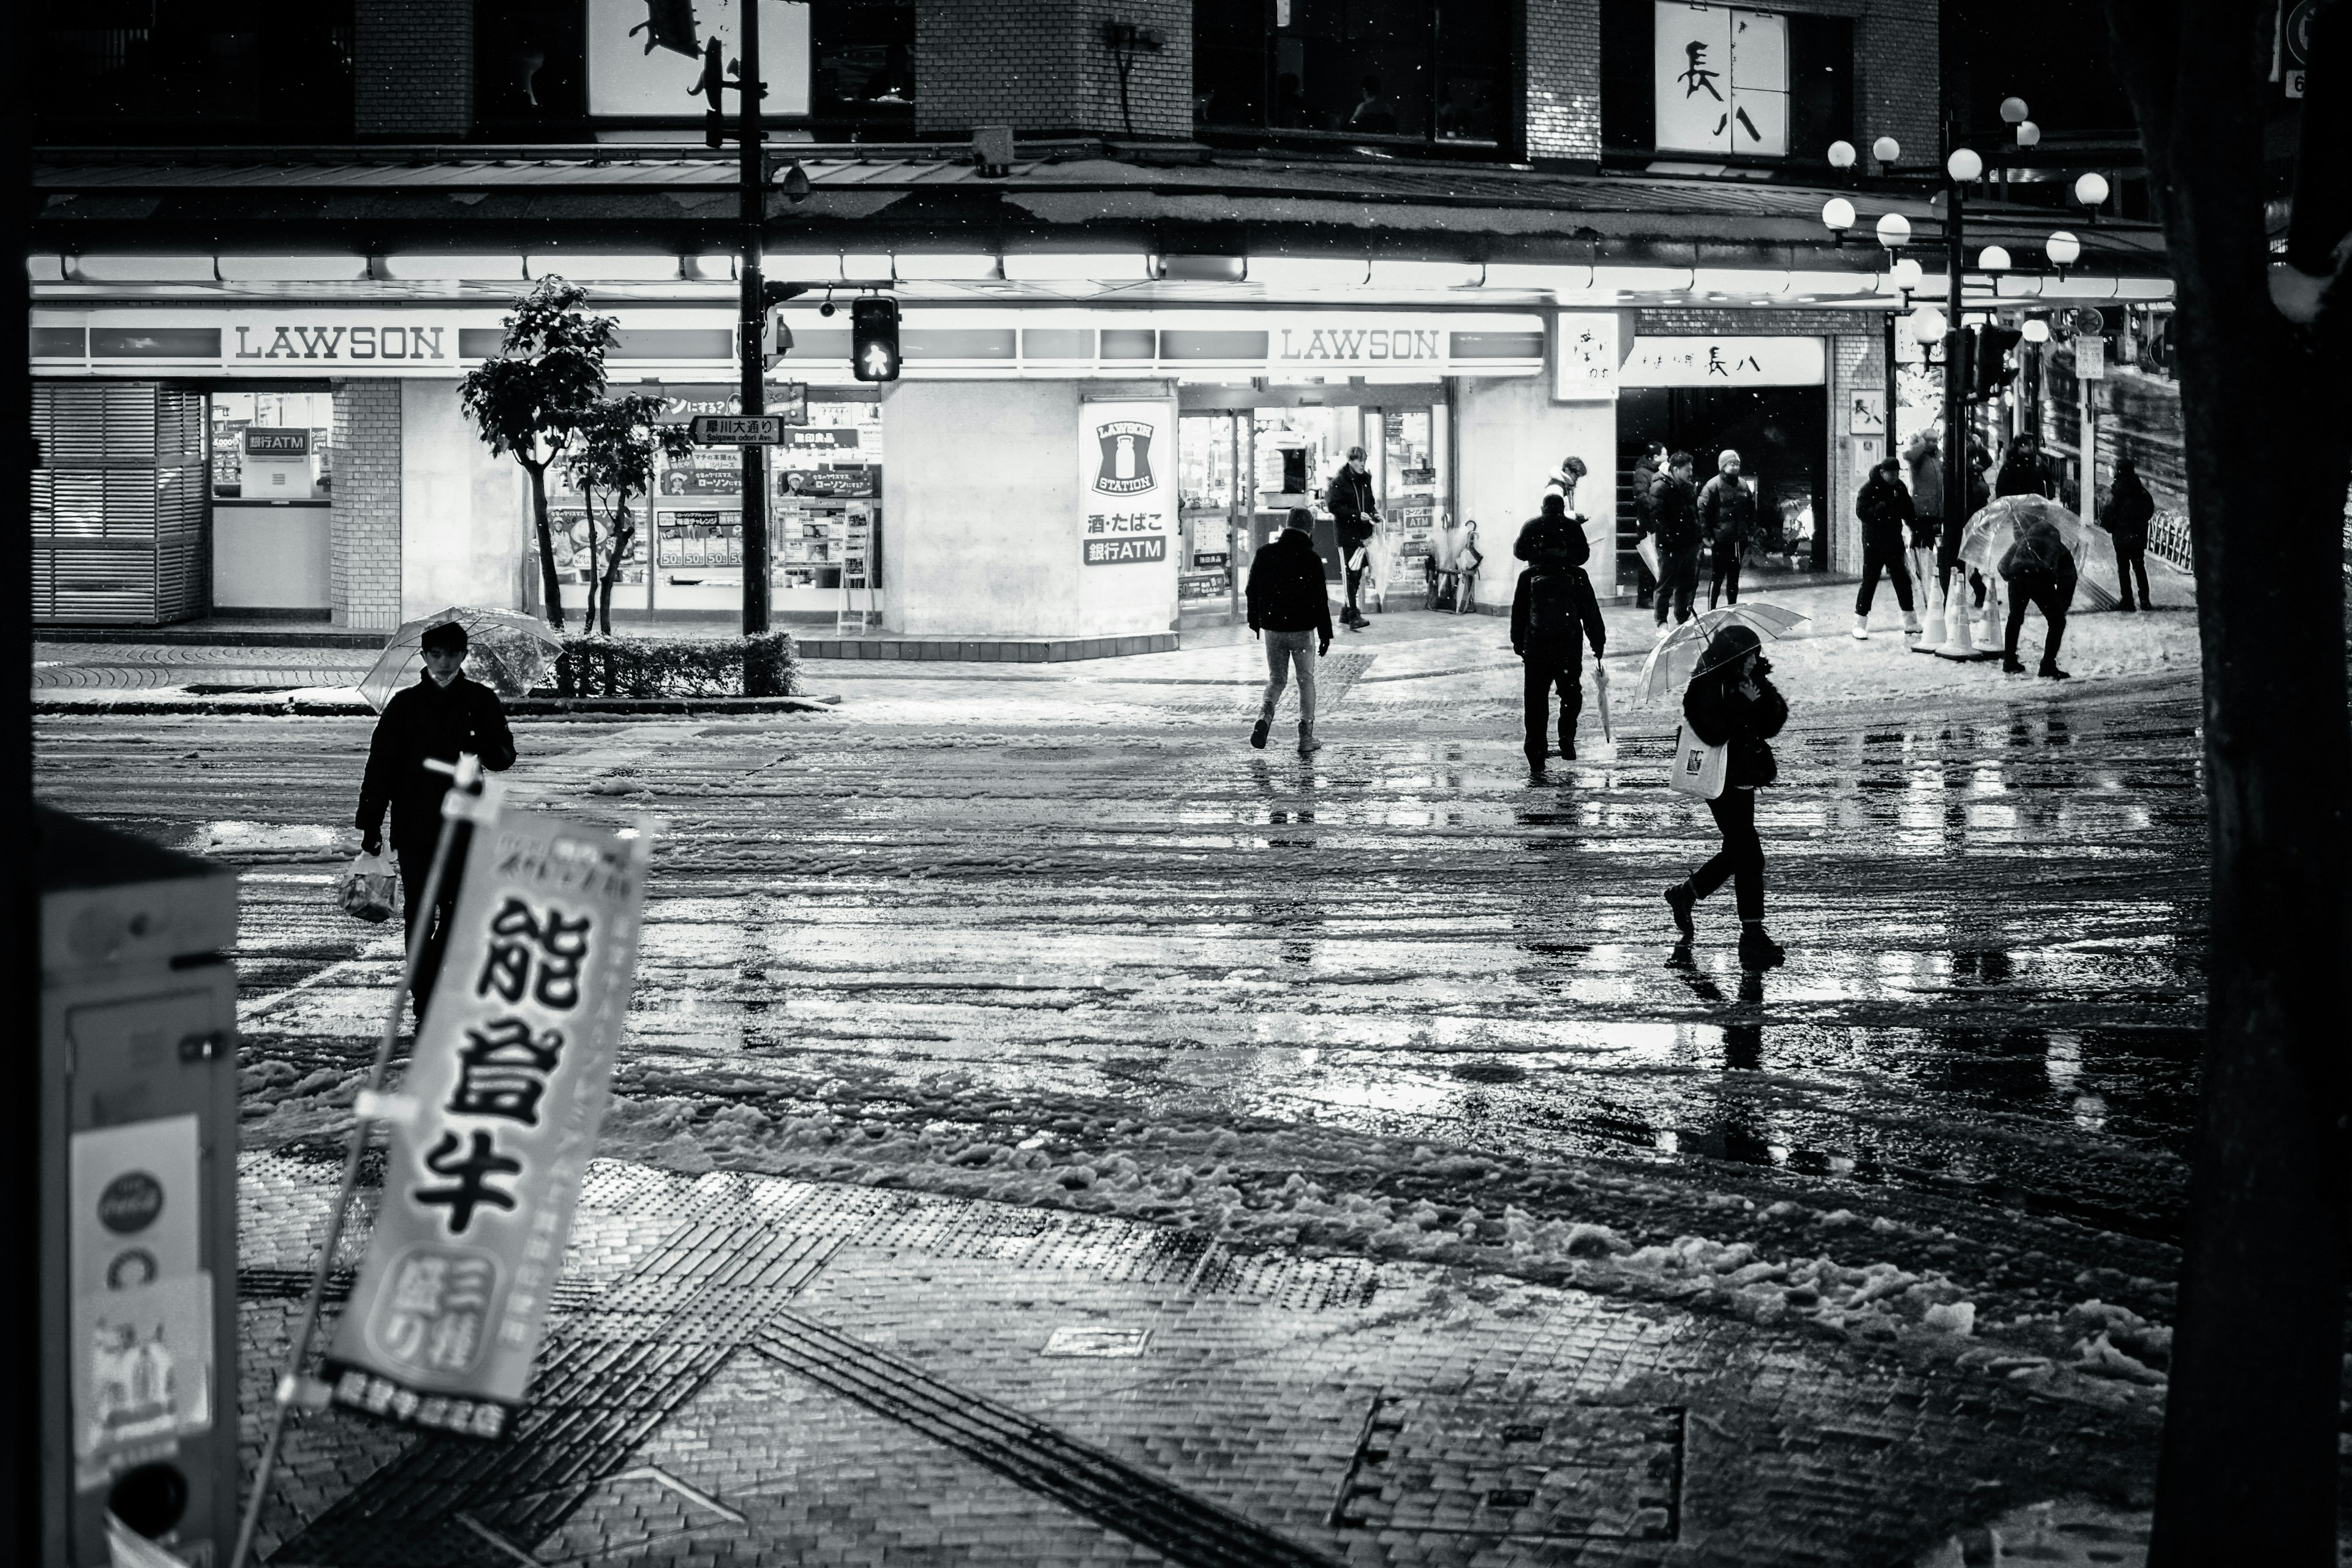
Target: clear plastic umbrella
{"x": 506, "y": 650}
{"x": 1990, "y": 533}
{"x": 1672, "y": 663}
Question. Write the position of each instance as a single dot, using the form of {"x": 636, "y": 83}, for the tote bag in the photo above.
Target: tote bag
{"x": 1699, "y": 769}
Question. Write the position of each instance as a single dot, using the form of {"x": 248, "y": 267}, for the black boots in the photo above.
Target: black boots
{"x": 1758, "y": 951}
{"x": 1681, "y": 899}
{"x": 1257, "y": 732}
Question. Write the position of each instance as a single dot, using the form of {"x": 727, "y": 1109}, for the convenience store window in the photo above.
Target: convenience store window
{"x": 272, "y": 446}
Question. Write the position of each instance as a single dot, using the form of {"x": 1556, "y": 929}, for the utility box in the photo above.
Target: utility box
{"x": 138, "y": 1239}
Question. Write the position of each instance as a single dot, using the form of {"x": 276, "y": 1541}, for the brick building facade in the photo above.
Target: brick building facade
{"x": 1048, "y": 67}
{"x": 413, "y": 71}
{"x": 364, "y": 539}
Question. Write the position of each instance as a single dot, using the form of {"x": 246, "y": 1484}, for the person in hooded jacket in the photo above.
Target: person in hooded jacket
{"x": 1731, "y": 703}
{"x": 2040, "y": 571}
{"x": 1726, "y": 516}
{"x": 1885, "y": 508}
{"x": 2128, "y": 511}
{"x": 1646, "y": 468}
{"x": 443, "y": 714}
{"x": 1675, "y": 505}
{"x": 1552, "y": 607}
{"x": 2022, "y": 473}
{"x": 1924, "y": 458}
{"x": 1291, "y": 609}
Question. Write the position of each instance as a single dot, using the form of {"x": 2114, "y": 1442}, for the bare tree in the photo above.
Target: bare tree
{"x": 528, "y": 399}
{"x": 620, "y": 438}
{"x": 2248, "y": 1471}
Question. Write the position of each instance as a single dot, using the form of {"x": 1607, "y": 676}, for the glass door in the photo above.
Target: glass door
{"x": 1212, "y": 452}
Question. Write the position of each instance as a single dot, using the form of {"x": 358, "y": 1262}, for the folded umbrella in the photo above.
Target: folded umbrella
{"x": 506, "y": 650}
{"x": 1675, "y": 660}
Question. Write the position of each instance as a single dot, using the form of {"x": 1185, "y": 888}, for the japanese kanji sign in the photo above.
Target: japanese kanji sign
{"x": 1725, "y": 362}
{"x": 1589, "y": 354}
{"x": 1722, "y": 79}
{"x": 1127, "y": 505}
{"x": 510, "y": 1077}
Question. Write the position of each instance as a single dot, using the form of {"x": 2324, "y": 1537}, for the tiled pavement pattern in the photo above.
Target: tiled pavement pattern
{"x": 748, "y": 1370}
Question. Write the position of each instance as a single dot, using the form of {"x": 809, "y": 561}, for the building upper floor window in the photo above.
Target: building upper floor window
{"x": 1723, "y": 82}
{"x": 1382, "y": 70}
{"x": 116, "y": 70}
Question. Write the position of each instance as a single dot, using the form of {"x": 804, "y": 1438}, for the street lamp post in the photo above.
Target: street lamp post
{"x": 754, "y": 312}
{"x": 1961, "y": 165}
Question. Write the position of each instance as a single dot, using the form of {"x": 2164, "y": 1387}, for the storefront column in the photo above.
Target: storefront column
{"x": 364, "y": 550}
{"x": 1857, "y": 364}
{"x": 1511, "y": 437}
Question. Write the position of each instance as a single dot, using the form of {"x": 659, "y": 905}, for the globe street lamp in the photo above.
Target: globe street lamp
{"x": 1893, "y": 232}
{"x": 1842, "y": 157}
{"x": 2090, "y": 193}
{"x": 1961, "y": 164}
{"x": 2063, "y": 251}
{"x": 1837, "y": 213}
{"x": 1887, "y": 150}
{"x": 1994, "y": 258}
{"x": 1906, "y": 275}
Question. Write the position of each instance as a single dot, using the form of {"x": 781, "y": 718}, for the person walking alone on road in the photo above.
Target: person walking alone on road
{"x": 1726, "y": 516}
{"x": 1289, "y": 607}
{"x": 433, "y": 721}
{"x": 2039, "y": 570}
{"x": 1730, "y": 703}
{"x": 1885, "y": 508}
{"x": 1354, "y": 515}
{"x": 1646, "y": 471}
{"x": 1679, "y": 540}
{"x": 2128, "y": 512}
{"x": 1924, "y": 458}
{"x": 2022, "y": 473}
{"x": 1552, "y": 604}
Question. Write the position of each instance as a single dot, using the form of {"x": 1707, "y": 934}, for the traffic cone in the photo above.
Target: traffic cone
{"x": 1957, "y": 642}
{"x": 1931, "y": 636}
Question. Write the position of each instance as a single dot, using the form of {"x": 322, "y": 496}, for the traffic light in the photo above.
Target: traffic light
{"x": 874, "y": 339}
{"x": 1994, "y": 371}
{"x": 713, "y": 86}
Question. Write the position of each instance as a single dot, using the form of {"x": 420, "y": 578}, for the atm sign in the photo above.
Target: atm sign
{"x": 266, "y": 443}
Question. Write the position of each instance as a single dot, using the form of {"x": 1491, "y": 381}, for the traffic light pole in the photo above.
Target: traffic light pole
{"x": 1956, "y": 384}
{"x": 751, "y": 329}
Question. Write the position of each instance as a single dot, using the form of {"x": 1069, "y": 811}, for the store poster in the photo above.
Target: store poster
{"x": 1126, "y": 451}
{"x": 1722, "y": 79}
{"x": 512, "y": 1073}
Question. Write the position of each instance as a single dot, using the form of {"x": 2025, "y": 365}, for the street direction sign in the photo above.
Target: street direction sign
{"x": 739, "y": 430}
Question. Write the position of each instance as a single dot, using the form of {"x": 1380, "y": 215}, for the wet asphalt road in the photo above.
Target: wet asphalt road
{"x": 959, "y": 910}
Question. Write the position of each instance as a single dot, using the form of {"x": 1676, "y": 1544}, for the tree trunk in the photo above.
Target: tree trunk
{"x": 625, "y": 535}
{"x": 2248, "y": 1470}
{"x": 550, "y": 583}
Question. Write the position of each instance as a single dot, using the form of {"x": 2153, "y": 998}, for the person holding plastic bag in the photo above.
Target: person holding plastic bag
{"x": 1730, "y": 703}
{"x": 443, "y": 714}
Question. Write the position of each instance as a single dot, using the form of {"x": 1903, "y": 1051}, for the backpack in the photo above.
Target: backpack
{"x": 1551, "y": 608}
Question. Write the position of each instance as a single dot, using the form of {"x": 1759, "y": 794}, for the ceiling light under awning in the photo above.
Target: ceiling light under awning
{"x": 293, "y": 269}
{"x": 1403, "y": 274}
{"x": 141, "y": 268}
{"x": 1310, "y": 272}
{"x": 943, "y": 267}
{"x": 1077, "y": 266}
{"x": 432, "y": 267}
{"x": 605, "y": 269}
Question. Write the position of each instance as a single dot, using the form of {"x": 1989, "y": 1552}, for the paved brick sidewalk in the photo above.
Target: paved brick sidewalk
{"x": 918, "y": 1378}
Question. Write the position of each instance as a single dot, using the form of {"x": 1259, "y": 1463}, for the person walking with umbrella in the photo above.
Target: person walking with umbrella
{"x": 2128, "y": 512}
{"x": 2039, "y": 570}
{"x": 443, "y": 714}
{"x": 1730, "y": 702}
{"x": 1552, "y": 603}
{"x": 1726, "y": 516}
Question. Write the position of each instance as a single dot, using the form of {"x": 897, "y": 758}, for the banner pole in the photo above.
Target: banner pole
{"x": 466, "y": 775}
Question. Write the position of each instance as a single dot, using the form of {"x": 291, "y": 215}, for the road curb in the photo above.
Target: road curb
{"x": 615, "y": 709}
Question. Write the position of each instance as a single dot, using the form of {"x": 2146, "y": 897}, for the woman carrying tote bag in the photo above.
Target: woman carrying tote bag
{"x": 1729, "y": 703}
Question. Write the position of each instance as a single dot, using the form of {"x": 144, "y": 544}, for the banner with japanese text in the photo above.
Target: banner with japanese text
{"x": 510, "y": 1077}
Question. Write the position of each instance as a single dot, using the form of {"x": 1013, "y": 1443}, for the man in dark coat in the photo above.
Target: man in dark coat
{"x": 1646, "y": 517}
{"x": 1885, "y": 508}
{"x": 1289, "y": 608}
{"x": 1552, "y": 606}
{"x": 2040, "y": 571}
{"x": 1924, "y": 458}
{"x": 1354, "y": 515}
{"x": 2129, "y": 511}
{"x": 1726, "y": 516}
{"x": 2022, "y": 474}
{"x": 433, "y": 721}
{"x": 1675, "y": 501}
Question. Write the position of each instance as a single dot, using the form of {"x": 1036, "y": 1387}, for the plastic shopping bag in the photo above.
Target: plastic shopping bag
{"x": 370, "y": 889}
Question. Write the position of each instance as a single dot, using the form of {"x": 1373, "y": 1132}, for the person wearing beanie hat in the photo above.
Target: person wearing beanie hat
{"x": 440, "y": 716}
{"x": 1731, "y": 703}
{"x": 1726, "y": 516}
{"x": 1551, "y": 605}
{"x": 1290, "y": 608}
{"x": 1885, "y": 508}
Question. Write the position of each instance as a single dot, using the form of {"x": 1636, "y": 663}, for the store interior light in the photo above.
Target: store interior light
{"x": 944, "y": 267}
{"x": 1310, "y": 272}
{"x": 1388, "y": 273}
{"x": 718, "y": 266}
{"x": 1741, "y": 280}
{"x": 866, "y": 267}
{"x": 1077, "y": 266}
{"x": 815, "y": 267}
{"x": 1830, "y": 284}
{"x": 1644, "y": 279}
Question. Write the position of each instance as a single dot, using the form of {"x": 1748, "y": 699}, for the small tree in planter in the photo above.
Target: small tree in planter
{"x": 619, "y": 438}
{"x": 529, "y": 400}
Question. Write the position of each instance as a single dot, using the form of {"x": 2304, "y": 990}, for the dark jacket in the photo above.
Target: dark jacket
{"x": 1559, "y": 539}
{"x": 2040, "y": 550}
{"x": 1980, "y": 493}
{"x": 2023, "y": 476}
{"x": 1719, "y": 714}
{"x": 424, "y": 722}
{"x": 1885, "y": 509}
{"x": 1926, "y": 466}
{"x": 2129, "y": 511}
{"x": 1286, "y": 589}
{"x": 1550, "y": 605}
{"x": 1350, "y": 497}
{"x": 1645, "y": 500}
{"x": 1726, "y": 511}
{"x": 1674, "y": 505}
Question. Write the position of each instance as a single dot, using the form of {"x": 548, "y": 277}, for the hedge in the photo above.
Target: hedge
{"x": 677, "y": 666}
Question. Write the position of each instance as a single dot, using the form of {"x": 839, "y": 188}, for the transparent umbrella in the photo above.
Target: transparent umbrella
{"x": 506, "y": 650}
{"x": 1672, "y": 663}
{"x": 1990, "y": 533}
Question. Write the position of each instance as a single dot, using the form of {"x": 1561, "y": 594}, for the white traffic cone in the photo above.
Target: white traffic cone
{"x": 1957, "y": 643}
{"x": 1931, "y": 637}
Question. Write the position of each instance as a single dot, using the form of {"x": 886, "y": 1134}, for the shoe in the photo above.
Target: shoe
{"x": 2011, "y": 667}
{"x": 1307, "y": 744}
{"x": 1257, "y": 732}
{"x": 1536, "y": 773}
{"x": 1681, "y": 899}
{"x": 1758, "y": 951}
{"x": 1910, "y": 623}
{"x": 2052, "y": 672}
{"x": 2131, "y": 609}
{"x": 1568, "y": 750}
{"x": 1862, "y": 628}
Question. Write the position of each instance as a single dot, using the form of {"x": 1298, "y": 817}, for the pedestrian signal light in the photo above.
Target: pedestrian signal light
{"x": 1992, "y": 370}
{"x": 874, "y": 340}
